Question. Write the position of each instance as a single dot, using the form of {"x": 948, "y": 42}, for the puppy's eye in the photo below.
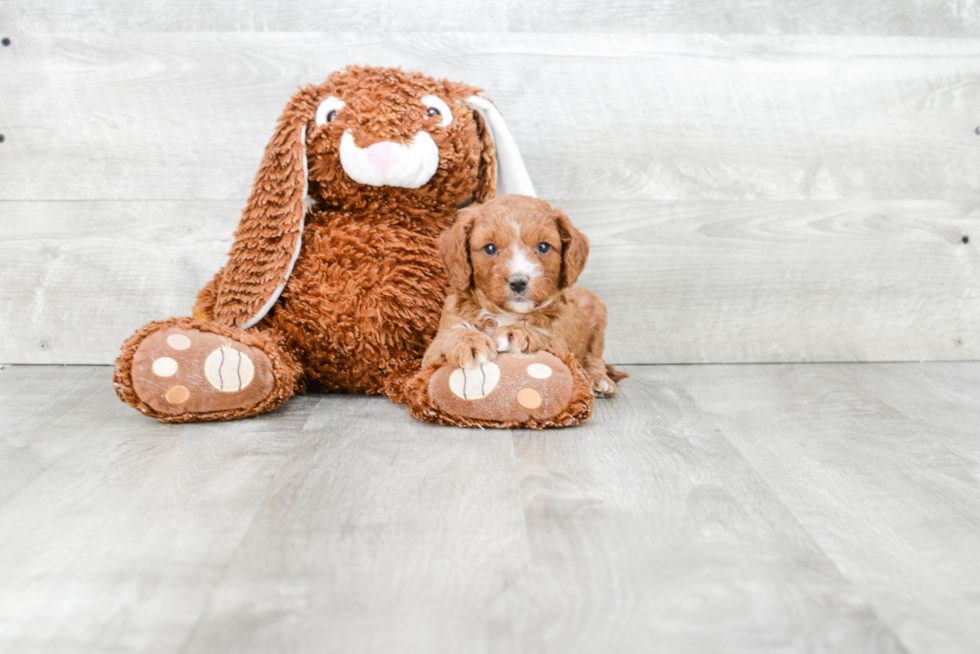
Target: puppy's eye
{"x": 331, "y": 115}
{"x": 435, "y": 106}
{"x": 490, "y": 249}
{"x": 543, "y": 248}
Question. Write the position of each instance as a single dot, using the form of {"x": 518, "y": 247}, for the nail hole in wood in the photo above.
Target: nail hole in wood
{"x": 2, "y": 138}
{"x": 5, "y": 42}
{"x": 42, "y": 346}
{"x": 977, "y": 130}
{"x": 965, "y": 239}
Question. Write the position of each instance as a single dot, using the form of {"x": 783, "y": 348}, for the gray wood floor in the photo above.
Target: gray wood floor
{"x": 749, "y": 508}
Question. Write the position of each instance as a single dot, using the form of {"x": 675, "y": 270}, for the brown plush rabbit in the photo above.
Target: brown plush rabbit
{"x": 334, "y": 281}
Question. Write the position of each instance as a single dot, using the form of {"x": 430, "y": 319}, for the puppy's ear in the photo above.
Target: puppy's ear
{"x": 454, "y": 248}
{"x": 574, "y": 249}
{"x": 268, "y": 238}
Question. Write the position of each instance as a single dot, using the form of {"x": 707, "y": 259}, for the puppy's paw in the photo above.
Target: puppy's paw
{"x": 602, "y": 386}
{"x": 471, "y": 349}
{"x": 517, "y": 339}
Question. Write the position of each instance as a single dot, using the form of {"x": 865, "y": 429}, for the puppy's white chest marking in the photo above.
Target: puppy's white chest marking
{"x": 502, "y": 320}
{"x": 494, "y": 320}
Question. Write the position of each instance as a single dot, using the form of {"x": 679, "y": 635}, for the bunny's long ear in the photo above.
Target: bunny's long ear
{"x": 268, "y": 238}
{"x": 512, "y": 174}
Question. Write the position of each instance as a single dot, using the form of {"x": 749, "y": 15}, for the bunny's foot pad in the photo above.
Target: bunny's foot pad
{"x": 535, "y": 391}
{"x": 180, "y": 373}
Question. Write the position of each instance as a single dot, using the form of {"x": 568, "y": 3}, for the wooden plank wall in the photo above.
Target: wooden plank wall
{"x": 762, "y": 180}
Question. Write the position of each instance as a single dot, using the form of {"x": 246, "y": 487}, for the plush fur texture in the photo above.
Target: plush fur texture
{"x": 415, "y": 394}
{"x": 381, "y": 105}
{"x": 286, "y": 372}
{"x": 512, "y": 263}
{"x": 365, "y": 291}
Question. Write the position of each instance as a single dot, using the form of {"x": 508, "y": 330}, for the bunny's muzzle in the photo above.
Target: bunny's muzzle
{"x": 387, "y": 163}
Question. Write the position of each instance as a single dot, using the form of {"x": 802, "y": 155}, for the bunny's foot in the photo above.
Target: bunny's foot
{"x": 184, "y": 370}
{"x": 535, "y": 391}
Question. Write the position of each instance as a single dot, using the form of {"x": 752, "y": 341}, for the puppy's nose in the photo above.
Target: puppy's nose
{"x": 517, "y": 283}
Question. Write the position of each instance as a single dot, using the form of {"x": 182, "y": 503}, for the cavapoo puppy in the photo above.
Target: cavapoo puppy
{"x": 512, "y": 263}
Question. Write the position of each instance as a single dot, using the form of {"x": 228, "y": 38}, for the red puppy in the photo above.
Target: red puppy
{"x": 511, "y": 264}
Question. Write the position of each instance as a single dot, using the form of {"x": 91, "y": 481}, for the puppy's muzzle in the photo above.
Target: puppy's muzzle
{"x": 517, "y": 283}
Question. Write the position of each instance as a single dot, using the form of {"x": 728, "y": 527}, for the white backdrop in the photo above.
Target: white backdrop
{"x": 761, "y": 180}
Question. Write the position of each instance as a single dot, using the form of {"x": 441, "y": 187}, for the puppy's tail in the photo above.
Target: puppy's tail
{"x": 615, "y": 375}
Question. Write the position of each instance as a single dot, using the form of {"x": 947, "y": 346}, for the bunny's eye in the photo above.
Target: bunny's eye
{"x": 490, "y": 249}
{"x": 327, "y": 111}
{"x": 436, "y": 107}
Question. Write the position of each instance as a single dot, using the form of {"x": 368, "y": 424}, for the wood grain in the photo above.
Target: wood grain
{"x": 648, "y": 532}
{"x": 916, "y": 18}
{"x": 665, "y": 523}
{"x": 944, "y": 395}
{"x": 40, "y": 426}
{"x": 684, "y": 282}
{"x": 411, "y": 534}
{"x": 118, "y": 543}
{"x": 79, "y": 277}
{"x": 874, "y": 465}
{"x": 761, "y": 180}
{"x": 782, "y": 282}
{"x": 180, "y": 116}
{"x": 767, "y": 196}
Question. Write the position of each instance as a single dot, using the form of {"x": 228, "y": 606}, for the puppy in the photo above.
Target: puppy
{"x": 511, "y": 264}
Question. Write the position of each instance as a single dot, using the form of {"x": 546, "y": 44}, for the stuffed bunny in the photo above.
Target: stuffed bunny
{"x": 334, "y": 281}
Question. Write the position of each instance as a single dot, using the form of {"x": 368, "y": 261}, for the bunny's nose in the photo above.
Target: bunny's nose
{"x": 383, "y": 155}
{"x": 517, "y": 283}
